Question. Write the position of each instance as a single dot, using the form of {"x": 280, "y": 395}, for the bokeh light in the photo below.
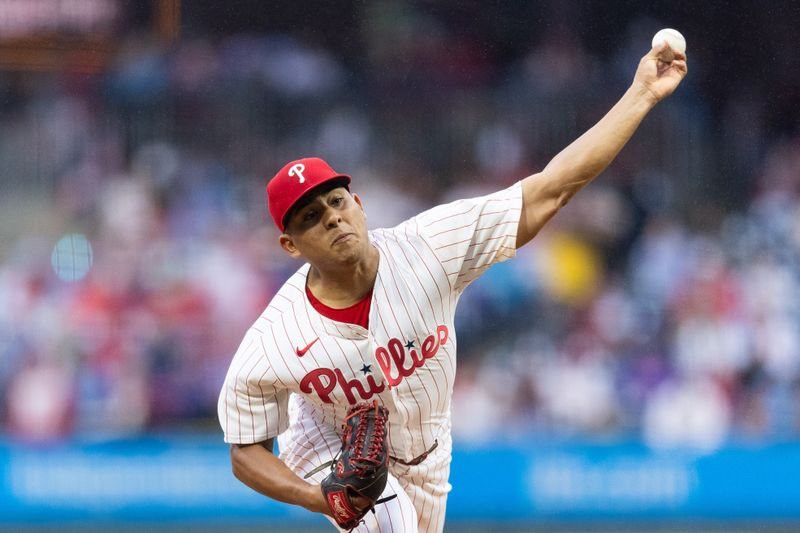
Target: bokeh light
{"x": 72, "y": 257}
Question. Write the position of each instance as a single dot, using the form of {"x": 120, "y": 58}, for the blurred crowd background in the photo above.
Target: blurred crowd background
{"x": 662, "y": 304}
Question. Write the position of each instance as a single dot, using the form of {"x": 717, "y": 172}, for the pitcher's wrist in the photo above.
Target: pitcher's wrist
{"x": 313, "y": 499}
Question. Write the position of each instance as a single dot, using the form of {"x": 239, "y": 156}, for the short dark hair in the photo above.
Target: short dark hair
{"x": 309, "y": 196}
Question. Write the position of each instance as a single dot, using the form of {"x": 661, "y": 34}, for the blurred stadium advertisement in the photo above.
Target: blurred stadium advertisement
{"x": 187, "y": 479}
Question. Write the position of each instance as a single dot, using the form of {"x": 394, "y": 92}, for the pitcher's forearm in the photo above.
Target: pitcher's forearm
{"x": 658, "y": 74}
{"x": 544, "y": 193}
{"x": 591, "y": 153}
{"x": 263, "y": 472}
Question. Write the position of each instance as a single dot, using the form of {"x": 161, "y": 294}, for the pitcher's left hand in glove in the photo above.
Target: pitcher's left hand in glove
{"x": 363, "y": 465}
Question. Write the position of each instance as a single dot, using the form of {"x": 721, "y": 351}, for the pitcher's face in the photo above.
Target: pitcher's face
{"x": 330, "y": 229}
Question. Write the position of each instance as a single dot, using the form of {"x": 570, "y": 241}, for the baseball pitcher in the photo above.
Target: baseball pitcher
{"x": 351, "y": 365}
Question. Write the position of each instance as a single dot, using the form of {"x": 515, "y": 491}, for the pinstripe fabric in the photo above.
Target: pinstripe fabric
{"x": 406, "y": 359}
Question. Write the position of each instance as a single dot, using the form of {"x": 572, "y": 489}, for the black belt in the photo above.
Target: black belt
{"x": 416, "y": 460}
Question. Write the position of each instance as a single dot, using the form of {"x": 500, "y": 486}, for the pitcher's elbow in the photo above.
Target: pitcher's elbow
{"x": 236, "y": 462}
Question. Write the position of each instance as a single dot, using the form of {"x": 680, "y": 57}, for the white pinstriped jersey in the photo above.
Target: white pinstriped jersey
{"x": 407, "y": 357}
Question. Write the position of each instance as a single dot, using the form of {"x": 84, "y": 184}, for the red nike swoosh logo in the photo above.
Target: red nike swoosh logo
{"x": 301, "y": 353}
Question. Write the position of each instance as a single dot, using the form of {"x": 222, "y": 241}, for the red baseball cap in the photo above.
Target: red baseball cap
{"x": 293, "y": 181}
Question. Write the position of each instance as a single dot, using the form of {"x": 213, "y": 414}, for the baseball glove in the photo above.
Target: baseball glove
{"x": 362, "y": 466}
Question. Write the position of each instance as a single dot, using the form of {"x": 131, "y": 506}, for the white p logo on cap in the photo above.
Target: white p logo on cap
{"x": 297, "y": 170}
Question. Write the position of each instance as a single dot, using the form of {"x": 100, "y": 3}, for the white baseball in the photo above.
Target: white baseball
{"x": 673, "y": 37}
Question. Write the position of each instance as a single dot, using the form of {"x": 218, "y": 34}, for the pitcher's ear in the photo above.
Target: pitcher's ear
{"x": 287, "y": 243}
